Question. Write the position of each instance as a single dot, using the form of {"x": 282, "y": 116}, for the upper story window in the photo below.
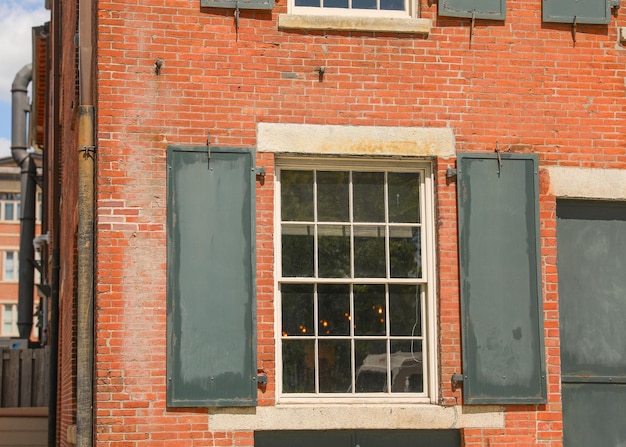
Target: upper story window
{"x": 373, "y": 8}
{"x": 9, "y": 206}
{"x": 355, "y": 267}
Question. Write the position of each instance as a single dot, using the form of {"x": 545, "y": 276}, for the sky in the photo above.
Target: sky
{"x": 17, "y": 18}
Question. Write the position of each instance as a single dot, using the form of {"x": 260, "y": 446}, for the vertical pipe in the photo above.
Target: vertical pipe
{"x": 85, "y": 271}
{"x": 86, "y": 201}
{"x": 20, "y": 107}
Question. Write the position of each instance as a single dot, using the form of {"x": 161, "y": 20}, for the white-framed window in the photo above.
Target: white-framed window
{"x": 9, "y": 207}
{"x": 365, "y": 8}
{"x": 9, "y": 320}
{"x": 10, "y": 265}
{"x": 355, "y": 279}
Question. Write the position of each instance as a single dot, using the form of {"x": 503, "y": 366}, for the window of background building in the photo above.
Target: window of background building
{"x": 353, "y": 246}
{"x": 9, "y": 320}
{"x": 9, "y": 206}
{"x": 10, "y": 265}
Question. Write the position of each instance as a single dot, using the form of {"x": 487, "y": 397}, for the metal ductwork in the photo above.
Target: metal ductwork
{"x": 28, "y": 194}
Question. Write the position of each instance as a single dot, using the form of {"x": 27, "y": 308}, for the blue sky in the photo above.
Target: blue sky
{"x": 17, "y": 18}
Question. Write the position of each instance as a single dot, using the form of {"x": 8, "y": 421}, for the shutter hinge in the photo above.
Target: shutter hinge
{"x": 451, "y": 173}
{"x": 260, "y": 174}
{"x": 261, "y": 379}
{"x": 457, "y": 381}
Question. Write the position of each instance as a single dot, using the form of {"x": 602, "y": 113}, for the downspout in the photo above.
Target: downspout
{"x": 28, "y": 193}
{"x": 85, "y": 237}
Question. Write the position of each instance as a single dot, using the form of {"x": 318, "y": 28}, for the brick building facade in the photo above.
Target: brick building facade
{"x": 345, "y": 113}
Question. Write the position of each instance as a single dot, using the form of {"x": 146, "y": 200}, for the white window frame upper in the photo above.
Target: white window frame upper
{"x": 16, "y": 264}
{"x": 427, "y": 281}
{"x": 14, "y": 329}
{"x": 411, "y": 10}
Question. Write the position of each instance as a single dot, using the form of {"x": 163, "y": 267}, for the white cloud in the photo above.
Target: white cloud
{"x": 17, "y": 18}
{"x": 5, "y": 147}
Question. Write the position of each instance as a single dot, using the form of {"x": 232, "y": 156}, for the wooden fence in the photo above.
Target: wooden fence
{"x": 24, "y": 377}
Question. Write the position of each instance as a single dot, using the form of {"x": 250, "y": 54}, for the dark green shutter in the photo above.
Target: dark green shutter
{"x": 502, "y": 327}
{"x": 480, "y": 9}
{"x": 211, "y": 277}
{"x": 585, "y": 11}
{"x": 591, "y": 241}
{"x": 240, "y": 4}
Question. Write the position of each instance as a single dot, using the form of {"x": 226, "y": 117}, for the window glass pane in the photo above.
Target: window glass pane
{"x": 296, "y": 195}
{"x": 404, "y": 310}
{"x": 369, "y": 196}
{"x": 407, "y": 375}
{"x": 297, "y": 250}
{"x": 334, "y": 251}
{"x": 334, "y": 309}
{"x": 369, "y": 309}
{"x": 405, "y": 260}
{"x": 307, "y": 3}
{"x": 9, "y": 265}
{"x": 297, "y": 309}
{"x": 9, "y": 211}
{"x": 335, "y": 366}
{"x": 364, "y": 4}
{"x": 369, "y": 252}
{"x": 404, "y": 202}
{"x": 335, "y": 3}
{"x": 333, "y": 196}
{"x": 371, "y": 366}
{"x": 392, "y": 5}
{"x": 298, "y": 366}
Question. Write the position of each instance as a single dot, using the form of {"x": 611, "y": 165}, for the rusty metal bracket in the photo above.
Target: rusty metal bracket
{"x": 88, "y": 151}
{"x": 499, "y": 158}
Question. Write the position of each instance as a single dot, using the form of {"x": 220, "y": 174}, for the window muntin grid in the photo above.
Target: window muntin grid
{"x": 348, "y": 327}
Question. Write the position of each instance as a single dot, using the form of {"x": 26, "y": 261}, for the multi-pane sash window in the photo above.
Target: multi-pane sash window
{"x": 353, "y": 283}
{"x": 9, "y": 320}
{"x": 9, "y": 206}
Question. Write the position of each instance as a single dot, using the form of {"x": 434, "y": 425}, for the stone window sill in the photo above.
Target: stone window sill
{"x": 368, "y": 24}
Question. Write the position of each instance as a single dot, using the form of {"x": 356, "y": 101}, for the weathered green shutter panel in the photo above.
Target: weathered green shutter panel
{"x": 240, "y": 4}
{"x": 591, "y": 238}
{"x": 585, "y": 11}
{"x": 480, "y": 9}
{"x": 502, "y": 327}
{"x": 211, "y": 277}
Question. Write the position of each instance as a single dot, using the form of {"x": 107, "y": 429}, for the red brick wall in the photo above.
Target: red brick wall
{"x": 522, "y": 85}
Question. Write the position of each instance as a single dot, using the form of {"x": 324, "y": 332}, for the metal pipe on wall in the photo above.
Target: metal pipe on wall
{"x": 85, "y": 236}
{"x": 28, "y": 190}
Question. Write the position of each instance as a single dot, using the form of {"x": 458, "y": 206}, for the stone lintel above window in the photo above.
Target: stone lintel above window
{"x": 356, "y": 140}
